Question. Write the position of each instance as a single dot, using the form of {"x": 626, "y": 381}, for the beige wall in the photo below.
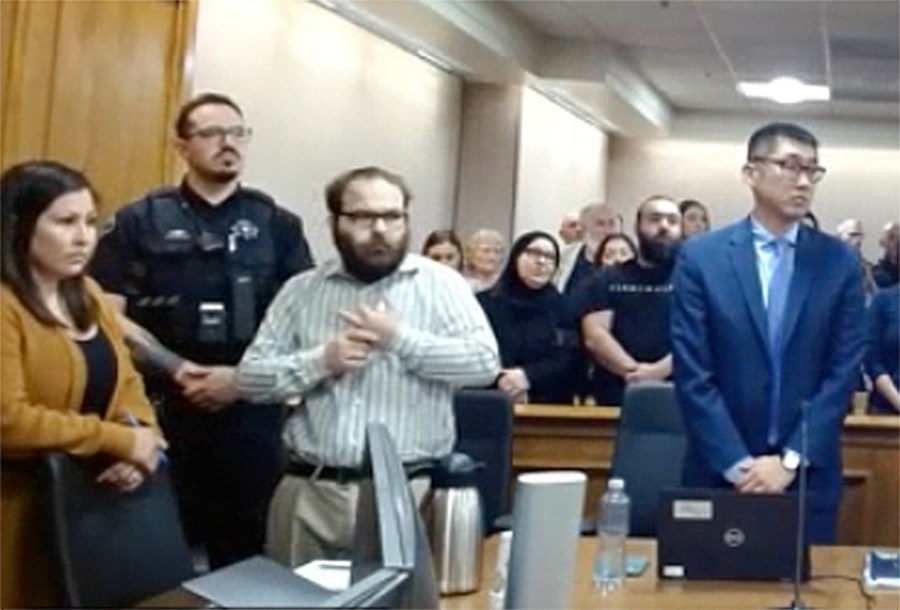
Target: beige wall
{"x": 702, "y": 158}
{"x": 487, "y": 164}
{"x": 323, "y": 96}
{"x": 562, "y": 164}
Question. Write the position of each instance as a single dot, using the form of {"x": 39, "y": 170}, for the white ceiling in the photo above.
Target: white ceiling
{"x": 692, "y": 53}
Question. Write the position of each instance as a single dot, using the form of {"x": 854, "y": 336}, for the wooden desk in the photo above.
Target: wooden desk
{"x": 560, "y": 437}
{"x": 649, "y": 592}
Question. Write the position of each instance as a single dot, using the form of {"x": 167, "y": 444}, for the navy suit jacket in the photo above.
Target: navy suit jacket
{"x": 721, "y": 367}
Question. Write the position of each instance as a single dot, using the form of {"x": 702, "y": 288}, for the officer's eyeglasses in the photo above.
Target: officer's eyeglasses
{"x": 237, "y": 132}
{"x": 368, "y": 220}
{"x": 791, "y": 168}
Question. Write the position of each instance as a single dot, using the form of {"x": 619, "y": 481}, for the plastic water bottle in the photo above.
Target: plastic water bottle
{"x": 613, "y": 514}
{"x": 497, "y": 592}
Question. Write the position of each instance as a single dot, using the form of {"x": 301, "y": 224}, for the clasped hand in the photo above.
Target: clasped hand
{"x": 128, "y": 475}
{"x": 514, "y": 382}
{"x": 208, "y": 387}
{"x": 764, "y": 474}
{"x": 368, "y": 329}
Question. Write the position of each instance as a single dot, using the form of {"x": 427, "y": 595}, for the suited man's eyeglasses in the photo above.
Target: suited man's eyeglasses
{"x": 792, "y": 169}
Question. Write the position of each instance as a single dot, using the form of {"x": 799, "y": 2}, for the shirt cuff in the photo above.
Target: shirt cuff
{"x": 735, "y": 471}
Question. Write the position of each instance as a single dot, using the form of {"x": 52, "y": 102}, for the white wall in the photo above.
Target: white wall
{"x": 561, "y": 165}
{"x": 323, "y": 96}
{"x": 703, "y": 155}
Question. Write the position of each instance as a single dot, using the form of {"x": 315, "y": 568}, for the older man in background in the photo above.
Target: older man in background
{"x": 887, "y": 270}
{"x": 850, "y": 231}
{"x": 570, "y": 229}
{"x": 577, "y": 259}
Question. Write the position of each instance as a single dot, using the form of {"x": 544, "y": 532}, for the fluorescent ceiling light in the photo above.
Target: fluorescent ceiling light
{"x": 785, "y": 90}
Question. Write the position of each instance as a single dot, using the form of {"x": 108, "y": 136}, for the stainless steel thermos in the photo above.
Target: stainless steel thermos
{"x": 453, "y": 517}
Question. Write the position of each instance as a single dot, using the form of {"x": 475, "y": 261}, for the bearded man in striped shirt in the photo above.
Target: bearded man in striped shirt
{"x": 378, "y": 334}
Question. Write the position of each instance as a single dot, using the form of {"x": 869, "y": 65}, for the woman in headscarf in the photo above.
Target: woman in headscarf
{"x": 526, "y": 312}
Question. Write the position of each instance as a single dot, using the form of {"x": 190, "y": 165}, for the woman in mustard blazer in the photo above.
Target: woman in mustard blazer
{"x": 67, "y": 379}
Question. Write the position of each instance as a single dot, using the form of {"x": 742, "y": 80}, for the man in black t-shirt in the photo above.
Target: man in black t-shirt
{"x": 624, "y": 310}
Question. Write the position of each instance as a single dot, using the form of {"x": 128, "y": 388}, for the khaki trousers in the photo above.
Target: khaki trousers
{"x": 315, "y": 519}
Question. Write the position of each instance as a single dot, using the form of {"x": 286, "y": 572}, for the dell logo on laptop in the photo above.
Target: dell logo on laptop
{"x": 733, "y": 537}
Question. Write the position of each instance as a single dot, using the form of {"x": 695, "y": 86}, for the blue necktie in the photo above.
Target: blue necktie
{"x": 782, "y": 269}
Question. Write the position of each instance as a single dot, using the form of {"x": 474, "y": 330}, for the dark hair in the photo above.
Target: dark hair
{"x": 183, "y": 120}
{"x": 334, "y": 192}
{"x": 26, "y": 191}
{"x": 447, "y": 236}
{"x": 767, "y": 134}
{"x": 598, "y": 257}
{"x": 640, "y": 209}
{"x": 687, "y": 204}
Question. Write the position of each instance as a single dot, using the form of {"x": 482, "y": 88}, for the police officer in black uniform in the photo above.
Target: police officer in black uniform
{"x": 197, "y": 265}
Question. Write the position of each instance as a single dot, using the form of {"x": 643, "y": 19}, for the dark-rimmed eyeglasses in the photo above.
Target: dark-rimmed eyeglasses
{"x": 539, "y": 256}
{"x": 367, "y": 220}
{"x": 237, "y": 132}
{"x": 792, "y": 168}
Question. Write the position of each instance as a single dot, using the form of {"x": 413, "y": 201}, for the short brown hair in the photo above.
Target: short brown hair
{"x": 183, "y": 121}
{"x": 334, "y": 192}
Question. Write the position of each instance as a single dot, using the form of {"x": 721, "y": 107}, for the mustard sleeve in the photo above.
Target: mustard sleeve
{"x": 26, "y": 427}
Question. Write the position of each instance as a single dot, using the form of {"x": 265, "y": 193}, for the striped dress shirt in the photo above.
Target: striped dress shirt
{"x": 443, "y": 341}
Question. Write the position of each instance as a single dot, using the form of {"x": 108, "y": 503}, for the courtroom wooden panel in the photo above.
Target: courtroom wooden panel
{"x": 96, "y": 85}
{"x": 559, "y": 437}
{"x": 871, "y": 453}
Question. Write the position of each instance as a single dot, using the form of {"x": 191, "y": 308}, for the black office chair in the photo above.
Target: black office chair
{"x": 649, "y": 449}
{"x": 484, "y": 422}
{"x": 112, "y": 549}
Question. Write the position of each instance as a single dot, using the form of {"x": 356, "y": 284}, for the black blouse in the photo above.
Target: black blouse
{"x": 100, "y": 363}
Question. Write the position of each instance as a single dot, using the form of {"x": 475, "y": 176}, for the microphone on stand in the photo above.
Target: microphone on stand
{"x": 797, "y": 602}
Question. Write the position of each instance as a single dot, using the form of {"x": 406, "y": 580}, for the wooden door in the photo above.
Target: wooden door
{"x": 96, "y": 85}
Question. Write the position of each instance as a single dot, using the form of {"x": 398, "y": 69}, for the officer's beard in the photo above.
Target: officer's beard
{"x": 373, "y": 260}
{"x": 657, "y": 251}
{"x": 224, "y": 172}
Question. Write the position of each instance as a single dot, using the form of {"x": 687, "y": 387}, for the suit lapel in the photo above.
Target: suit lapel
{"x": 804, "y": 266}
{"x": 743, "y": 261}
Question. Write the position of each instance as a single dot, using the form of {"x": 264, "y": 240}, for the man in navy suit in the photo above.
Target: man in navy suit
{"x": 767, "y": 331}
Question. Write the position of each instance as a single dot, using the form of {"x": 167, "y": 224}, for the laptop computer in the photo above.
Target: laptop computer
{"x": 717, "y": 534}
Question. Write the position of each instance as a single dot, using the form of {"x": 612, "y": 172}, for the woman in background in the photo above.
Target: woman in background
{"x": 444, "y": 247}
{"x": 694, "y": 218}
{"x": 882, "y": 363}
{"x": 484, "y": 255}
{"x": 615, "y": 249}
{"x": 68, "y": 382}
{"x": 526, "y": 312}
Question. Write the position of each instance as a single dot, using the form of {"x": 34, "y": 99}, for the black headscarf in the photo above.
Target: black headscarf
{"x": 510, "y": 286}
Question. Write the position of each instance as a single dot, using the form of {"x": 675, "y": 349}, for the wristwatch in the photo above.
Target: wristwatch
{"x": 790, "y": 460}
